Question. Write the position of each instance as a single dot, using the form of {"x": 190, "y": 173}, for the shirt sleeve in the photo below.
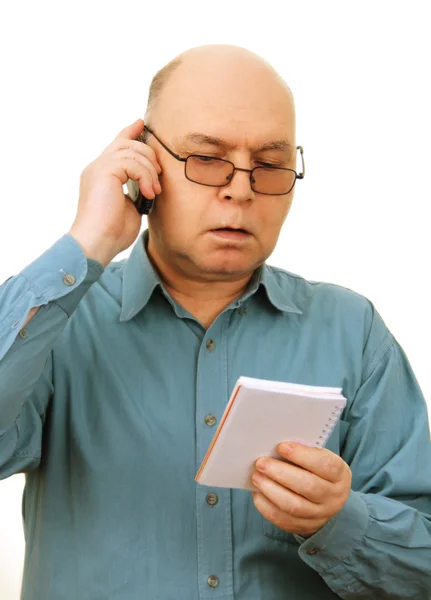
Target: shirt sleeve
{"x": 379, "y": 544}
{"x": 55, "y": 282}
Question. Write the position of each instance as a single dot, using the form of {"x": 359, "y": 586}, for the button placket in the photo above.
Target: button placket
{"x": 214, "y": 526}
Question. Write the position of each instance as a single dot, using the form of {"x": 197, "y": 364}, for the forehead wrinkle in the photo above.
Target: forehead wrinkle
{"x": 203, "y": 138}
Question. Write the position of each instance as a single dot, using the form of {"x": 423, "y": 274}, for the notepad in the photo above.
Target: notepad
{"x": 259, "y": 415}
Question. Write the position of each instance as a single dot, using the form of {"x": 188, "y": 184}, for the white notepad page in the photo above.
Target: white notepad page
{"x": 261, "y": 414}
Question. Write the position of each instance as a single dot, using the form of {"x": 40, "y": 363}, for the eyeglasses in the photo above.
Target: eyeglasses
{"x": 218, "y": 172}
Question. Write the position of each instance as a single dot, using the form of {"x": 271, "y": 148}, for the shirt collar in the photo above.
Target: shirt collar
{"x": 140, "y": 279}
{"x": 277, "y": 295}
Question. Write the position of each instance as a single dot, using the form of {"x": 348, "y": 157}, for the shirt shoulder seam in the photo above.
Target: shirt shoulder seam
{"x": 313, "y": 281}
{"x": 379, "y": 355}
{"x": 284, "y": 272}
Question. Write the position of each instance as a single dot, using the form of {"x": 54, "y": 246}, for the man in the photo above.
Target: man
{"x": 112, "y": 388}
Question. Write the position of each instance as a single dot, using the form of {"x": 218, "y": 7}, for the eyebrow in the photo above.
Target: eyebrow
{"x": 203, "y": 138}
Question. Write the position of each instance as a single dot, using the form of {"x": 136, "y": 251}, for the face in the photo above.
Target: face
{"x": 244, "y": 106}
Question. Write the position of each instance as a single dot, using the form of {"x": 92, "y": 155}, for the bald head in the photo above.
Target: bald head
{"x": 223, "y": 69}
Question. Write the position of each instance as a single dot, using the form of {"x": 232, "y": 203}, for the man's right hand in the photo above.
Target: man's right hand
{"x": 107, "y": 221}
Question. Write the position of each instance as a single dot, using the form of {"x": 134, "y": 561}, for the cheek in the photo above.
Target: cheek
{"x": 182, "y": 205}
{"x": 270, "y": 216}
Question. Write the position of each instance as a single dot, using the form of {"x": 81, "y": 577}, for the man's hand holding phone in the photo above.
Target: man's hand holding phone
{"x": 107, "y": 221}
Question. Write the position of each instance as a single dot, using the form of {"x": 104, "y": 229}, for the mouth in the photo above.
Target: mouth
{"x": 238, "y": 234}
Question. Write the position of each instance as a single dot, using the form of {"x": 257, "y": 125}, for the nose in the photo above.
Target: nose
{"x": 239, "y": 188}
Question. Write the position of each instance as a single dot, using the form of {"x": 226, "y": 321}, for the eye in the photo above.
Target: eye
{"x": 205, "y": 159}
{"x": 267, "y": 165}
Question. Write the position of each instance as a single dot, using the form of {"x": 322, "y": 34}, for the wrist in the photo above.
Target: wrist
{"x": 100, "y": 250}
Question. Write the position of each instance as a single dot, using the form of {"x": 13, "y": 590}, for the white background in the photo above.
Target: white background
{"x": 74, "y": 74}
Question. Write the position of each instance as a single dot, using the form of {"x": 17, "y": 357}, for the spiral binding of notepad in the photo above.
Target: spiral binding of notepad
{"x": 329, "y": 427}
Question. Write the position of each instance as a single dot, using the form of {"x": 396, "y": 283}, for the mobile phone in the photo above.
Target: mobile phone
{"x": 144, "y": 206}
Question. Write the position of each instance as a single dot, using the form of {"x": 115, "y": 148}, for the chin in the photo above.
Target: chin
{"x": 232, "y": 267}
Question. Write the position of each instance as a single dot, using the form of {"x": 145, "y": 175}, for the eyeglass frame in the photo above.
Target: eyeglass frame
{"x": 184, "y": 160}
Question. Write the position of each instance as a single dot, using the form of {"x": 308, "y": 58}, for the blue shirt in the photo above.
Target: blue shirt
{"x": 109, "y": 399}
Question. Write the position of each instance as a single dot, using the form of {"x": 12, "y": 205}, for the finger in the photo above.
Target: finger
{"x": 286, "y": 500}
{"x": 130, "y": 168}
{"x": 132, "y": 131}
{"x": 320, "y": 461}
{"x": 134, "y": 145}
{"x": 296, "y": 479}
{"x": 146, "y": 151}
{"x": 281, "y": 519}
{"x": 145, "y": 162}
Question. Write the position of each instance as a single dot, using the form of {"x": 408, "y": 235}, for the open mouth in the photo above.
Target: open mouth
{"x": 231, "y": 233}
{"x": 231, "y": 229}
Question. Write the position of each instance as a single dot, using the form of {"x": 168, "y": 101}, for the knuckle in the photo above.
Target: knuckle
{"x": 334, "y": 470}
{"x": 144, "y": 148}
{"x": 273, "y": 516}
{"x": 331, "y": 465}
{"x": 294, "y": 508}
{"x": 87, "y": 170}
{"x": 151, "y": 153}
{"x": 146, "y": 152}
{"x": 117, "y": 144}
{"x": 144, "y": 160}
{"x": 128, "y": 157}
{"x": 310, "y": 489}
{"x": 151, "y": 168}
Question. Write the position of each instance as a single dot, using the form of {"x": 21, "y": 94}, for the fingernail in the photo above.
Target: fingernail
{"x": 257, "y": 478}
{"x": 261, "y": 464}
{"x": 285, "y": 448}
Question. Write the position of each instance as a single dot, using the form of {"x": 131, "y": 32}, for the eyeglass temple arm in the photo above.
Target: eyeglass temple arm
{"x": 301, "y": 150}
{"x": 164, "y": 145}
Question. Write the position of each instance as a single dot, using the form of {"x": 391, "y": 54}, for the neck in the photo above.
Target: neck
{"x": 204, "y": 298}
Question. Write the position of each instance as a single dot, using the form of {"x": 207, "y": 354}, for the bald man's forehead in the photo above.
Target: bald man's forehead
{"x": 234, "y": 96}
{"x": 231, "y": 94}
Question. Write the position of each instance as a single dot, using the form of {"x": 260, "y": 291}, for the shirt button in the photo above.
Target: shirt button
{"x": 210, "y": 420}
{"x": 69, "y": 279}
{"x": 210, "y": 345}
{"x": 243, "y": 311}
{"x": 213, "y": 581}
{"x": 23, "y": 334}
{"x": 212, "y": 499}
{"x": 312, "y": 551}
